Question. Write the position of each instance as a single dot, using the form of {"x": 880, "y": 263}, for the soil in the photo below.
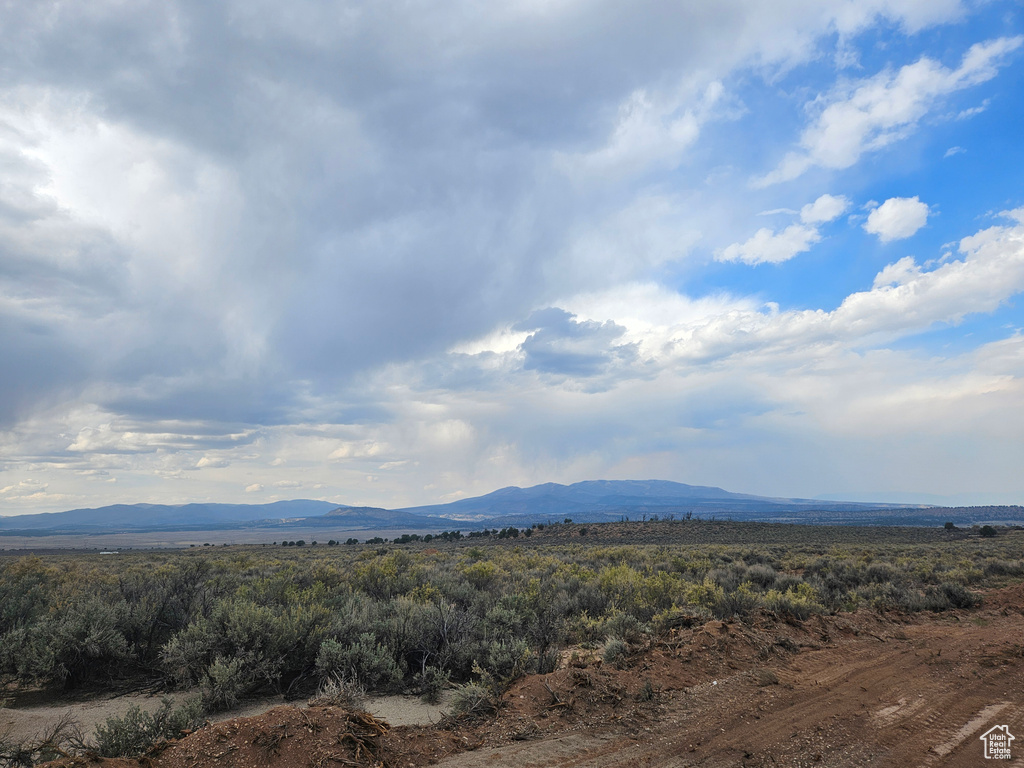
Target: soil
{"x": 31, "y": 716}
{"x": 846, "y": 690}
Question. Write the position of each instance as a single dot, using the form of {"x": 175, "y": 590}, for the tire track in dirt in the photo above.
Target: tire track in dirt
{"x": 891, "y": 693}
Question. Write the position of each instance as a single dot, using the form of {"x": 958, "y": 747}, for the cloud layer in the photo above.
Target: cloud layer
{"x": 391, "y": 254}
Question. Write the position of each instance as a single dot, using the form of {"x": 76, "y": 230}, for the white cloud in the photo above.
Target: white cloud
{"x": 212, "y": 463}
{"x": 870, "y": 114}
{"x": 897, "y": 218}
{"x": 953, "y": 151}
{"x": 254, "y": 488}
{"x": 964, "y": 114}
{"x": 825, "y": 208}
{"x": 899, "y": 273}
{"x": 769, "y": 247}
{"x": 358, "y": 450}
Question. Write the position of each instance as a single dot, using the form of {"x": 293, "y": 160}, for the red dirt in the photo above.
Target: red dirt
{"x": 852, "y": 689}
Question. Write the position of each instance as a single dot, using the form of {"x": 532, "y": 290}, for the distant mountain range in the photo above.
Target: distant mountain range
{"x": 590, "y": 501}
{"x": 613, "y": 499}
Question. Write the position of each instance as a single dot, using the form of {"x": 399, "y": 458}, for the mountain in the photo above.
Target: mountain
{"x": 612, "y": 499}
{"x": 376, "y": 517}
{"x": 591, "y": 501}
{"x": 150, "y": 516}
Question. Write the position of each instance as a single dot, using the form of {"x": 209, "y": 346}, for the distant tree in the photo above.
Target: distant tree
{"x": 987, "y": 531}
{"x": 949, "y": 526}
{"x": 300, "y": 543}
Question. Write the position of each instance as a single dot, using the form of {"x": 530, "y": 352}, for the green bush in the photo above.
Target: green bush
{"x": 137, "y": 731}
{"x": 432, "y": 683}
{"x": 614, "y": 651}
{"x": 243, "y": 647}
{"x": 226, "y": 681}
{"x": 474, "y": 700}
{"x": 624, "y": 626}
{"x": 949, "y": 595}
{"x": 507, "y": 660}
{"x": 365, "y": 661}
{"x": 83, "y": 643}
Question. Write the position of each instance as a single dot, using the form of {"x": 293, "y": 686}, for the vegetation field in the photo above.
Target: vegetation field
{"x": 469, "y": 614}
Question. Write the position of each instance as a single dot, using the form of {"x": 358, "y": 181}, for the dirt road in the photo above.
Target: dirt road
{"x": 858, "y": 690}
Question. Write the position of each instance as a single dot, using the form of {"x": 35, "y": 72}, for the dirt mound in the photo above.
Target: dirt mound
{"x": 852, "y": 689}
{"x": 285, "y": 737}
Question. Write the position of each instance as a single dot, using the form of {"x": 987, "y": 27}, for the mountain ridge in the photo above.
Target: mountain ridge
{"x": 589, "y": 501}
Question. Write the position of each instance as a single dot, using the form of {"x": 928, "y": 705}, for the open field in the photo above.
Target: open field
{"x": 650, "y": 532}
{"x": 19, "y": 544}
{"x": 703, "y": 643}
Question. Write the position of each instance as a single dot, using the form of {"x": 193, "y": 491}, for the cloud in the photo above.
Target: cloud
{"x": 965, "y": 114}
{"x": 560, "y": 344}
{"x": 317, "y": 237}
{"x": 897, "y": 218}
{"x": 207, "y": 462}
{"x": 825, "y": 208}
{"x": 769, "y": 247}
{"x": 868, "y": 115}
{"x": 953, "y": 151}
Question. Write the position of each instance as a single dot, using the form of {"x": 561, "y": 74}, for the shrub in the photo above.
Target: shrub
{"x": 740, "y": 602}
{"x": 949, "y": 595}
{"x": 336, "y": 691}
{"x": 646, "y": 692}
{"x": 678, "y": 618}
{"x": 614, "y": 651}
{"x": 880, "y": 573}
{"x": 366, "y": 661}
{"x": 507, "y": 660}
{"x": 762, "y": 576}
{"x": 474, "y": 700}
{"x": 137, "y": 731}
{"x": 987, "y": 531}
{"x": 84, "y": 643}
{"x": 226, "y": 681}
{"x": 431, "y": 683}
{"x": 624, "y": 626}
{"x": 798, "y": 602}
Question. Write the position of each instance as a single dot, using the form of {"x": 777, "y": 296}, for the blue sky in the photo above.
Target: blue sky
{"x": 394, "y": 254}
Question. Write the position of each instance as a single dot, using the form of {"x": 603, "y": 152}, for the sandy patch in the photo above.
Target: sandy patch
{"x": 24, "y": 723}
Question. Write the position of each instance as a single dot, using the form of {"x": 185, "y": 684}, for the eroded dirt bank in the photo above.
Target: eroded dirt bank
{"x": 847, "y": 690}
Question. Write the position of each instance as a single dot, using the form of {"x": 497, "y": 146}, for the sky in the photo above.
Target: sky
{"x": 396, "y": 253}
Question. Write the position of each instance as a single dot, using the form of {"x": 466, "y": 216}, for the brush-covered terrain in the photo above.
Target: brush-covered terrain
{"x": 664, "y": 643}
